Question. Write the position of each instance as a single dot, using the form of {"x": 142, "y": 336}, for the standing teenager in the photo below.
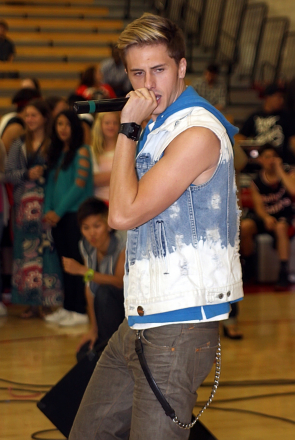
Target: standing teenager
{"x": 37, "y": 275}
{"x": 104, "y": 138}
{"x": 69, "y": 184}
{"x": 178, "y": 202}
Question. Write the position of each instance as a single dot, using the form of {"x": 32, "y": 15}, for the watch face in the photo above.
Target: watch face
{"x": 131, "y": 130}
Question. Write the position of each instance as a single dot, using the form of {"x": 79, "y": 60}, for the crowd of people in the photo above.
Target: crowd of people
{"x": 53, "y": 160}
{"x": 173, "y": 188}
{"x": 54, "y": 192}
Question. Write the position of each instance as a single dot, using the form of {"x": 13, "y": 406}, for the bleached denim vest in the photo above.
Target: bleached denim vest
{"x": 188, "y": 255}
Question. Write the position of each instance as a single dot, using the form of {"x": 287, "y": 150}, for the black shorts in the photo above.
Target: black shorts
{"x": 261, "y": 229}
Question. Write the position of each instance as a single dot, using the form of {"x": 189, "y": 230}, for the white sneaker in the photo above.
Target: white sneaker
{"x": 57, "y": 316}
{"x": 74, "y": 318}
{"x": 3, "y": 309}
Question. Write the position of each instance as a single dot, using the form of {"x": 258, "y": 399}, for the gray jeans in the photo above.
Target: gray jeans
{"x": 119, "y": 404}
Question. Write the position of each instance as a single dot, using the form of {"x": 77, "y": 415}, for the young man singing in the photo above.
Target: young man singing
{"x": 182, "y": 264}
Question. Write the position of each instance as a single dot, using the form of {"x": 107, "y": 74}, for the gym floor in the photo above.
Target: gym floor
{"x": 255, "y": 399}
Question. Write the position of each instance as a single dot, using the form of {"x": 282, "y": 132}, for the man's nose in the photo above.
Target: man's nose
{"x": 149, "y": 81}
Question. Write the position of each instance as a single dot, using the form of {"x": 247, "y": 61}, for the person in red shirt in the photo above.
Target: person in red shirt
{"x": 91, "y": 86}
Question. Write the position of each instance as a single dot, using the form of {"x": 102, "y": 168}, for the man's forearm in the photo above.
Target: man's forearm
{"x": 123, "y": 184}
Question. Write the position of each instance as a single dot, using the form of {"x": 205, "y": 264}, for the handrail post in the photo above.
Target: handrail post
{"x": 127, "y": 9}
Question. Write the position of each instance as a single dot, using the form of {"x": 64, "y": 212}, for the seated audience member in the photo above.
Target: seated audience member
{"x": 290, "y": 96}
{"x": 91, "y": 86}
{"x": 7, "y": 48}
{"x": 210, "y": 87}
{"x": 4, "y": 214}
{"x": 114, "y": 73}
{"x": 12, "y": 125}
{"x": 86, "y": 118}
{"x": 272, "y": 125}
{"x": 69, "y": 183}
{"x": 103, "y": 251}
{"x": 104, "y": 138}
{"x": 272, "y": 192}
{"x": 56, "y": 105}
{"x": 31, "y": 83}
{"x": 37, "y": 274}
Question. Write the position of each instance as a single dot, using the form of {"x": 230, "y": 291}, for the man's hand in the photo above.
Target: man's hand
{"x": 270, "y": 222}
{"x": 51, "y": 218}
{"x": 278, "y": 163}
{"x": 140, "y": 106}
{"x": 72, "y": 266}
{"x": 36, "y": 172}
{"x": 90, "y": 337}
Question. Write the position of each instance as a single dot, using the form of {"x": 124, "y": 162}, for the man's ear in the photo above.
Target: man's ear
{"x": 182, "y": 68}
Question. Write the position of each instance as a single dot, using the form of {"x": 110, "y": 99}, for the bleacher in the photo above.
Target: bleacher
{"x": 252, "y": 48}
{"x": 55, "y": 41}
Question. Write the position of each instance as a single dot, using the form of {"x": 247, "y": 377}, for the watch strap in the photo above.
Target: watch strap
{"x": 131, "y": 130}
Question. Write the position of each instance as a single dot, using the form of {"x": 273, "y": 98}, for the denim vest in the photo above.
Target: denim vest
{"x": 188, "y": 255}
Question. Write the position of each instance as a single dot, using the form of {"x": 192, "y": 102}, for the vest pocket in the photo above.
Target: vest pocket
{"x": 161, "y": 241}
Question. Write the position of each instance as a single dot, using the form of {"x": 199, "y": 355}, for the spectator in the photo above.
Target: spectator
{"x": 86, "y": 118}
{"x": 56, "y": 104}
{"x": 272, "y": 125}
{"x": 91, "y": 86}
{"x": 104, "y": 139}
{"x": 36, "y": 279}
{"x": 12, "y": 125}
{"x": 31, "y": 83}
{"x": 290, "y": 96}
{"x": 4, "y": 213}
{"x": 69, "y": 184}
{"x": 103, "y": 251}
{"x": 210, "y": 87}
{"x": 114, "y": 73}
{"x": 7, "y": 48}
{"x": 272, "y": 192}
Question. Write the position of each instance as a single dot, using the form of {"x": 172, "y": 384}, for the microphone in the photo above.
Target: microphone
{"x": 101, "y": 105}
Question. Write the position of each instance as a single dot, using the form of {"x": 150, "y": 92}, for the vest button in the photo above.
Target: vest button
{"x": 220, "y": 296}
{"x": 228, "y": 293}
{"x": 140, "y": 310}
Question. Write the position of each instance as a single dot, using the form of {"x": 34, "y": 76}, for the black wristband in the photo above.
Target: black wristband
{"x": 131, "y": 130}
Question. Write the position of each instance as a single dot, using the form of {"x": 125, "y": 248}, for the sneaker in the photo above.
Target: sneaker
{"x": 73, "y": 319}
{"x": 57, "y": 316}
{"x": 3, "y": 309}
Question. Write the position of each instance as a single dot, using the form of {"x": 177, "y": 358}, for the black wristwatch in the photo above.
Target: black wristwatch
{"x": 131, "y": 130}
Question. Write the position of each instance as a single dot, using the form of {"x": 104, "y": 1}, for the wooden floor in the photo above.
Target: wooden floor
{"x": 34, "y": 352}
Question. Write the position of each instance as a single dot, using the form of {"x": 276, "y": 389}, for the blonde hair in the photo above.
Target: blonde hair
{"x": 152, "y": 29}
{"x": 97, "y": 134}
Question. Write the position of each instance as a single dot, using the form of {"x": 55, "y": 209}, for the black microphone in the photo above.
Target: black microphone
{"x": 101, "y": 105}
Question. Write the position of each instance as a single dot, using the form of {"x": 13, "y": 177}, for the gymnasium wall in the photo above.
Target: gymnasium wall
{"x": 282, "y": 8}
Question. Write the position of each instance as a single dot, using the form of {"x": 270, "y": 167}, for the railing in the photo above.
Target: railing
{"x": 226, "y": 52}
{"x": 250, "y": 38}
{"x": 287, "y": 66}
{"x": 192, "y": 18}
{"x": 211, "y": 20}
{"x": 270, "y": 50}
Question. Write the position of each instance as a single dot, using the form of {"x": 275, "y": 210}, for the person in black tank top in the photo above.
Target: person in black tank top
{"x": 272, "y": 192}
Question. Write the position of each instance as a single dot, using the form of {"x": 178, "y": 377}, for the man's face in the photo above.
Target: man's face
{"x": 151, "y": 67}
{"x": 210, "y": 77}
{"x": 275, "y": 102}
{"x": 96, "y": 231}
{"x": 267, "y": 160}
